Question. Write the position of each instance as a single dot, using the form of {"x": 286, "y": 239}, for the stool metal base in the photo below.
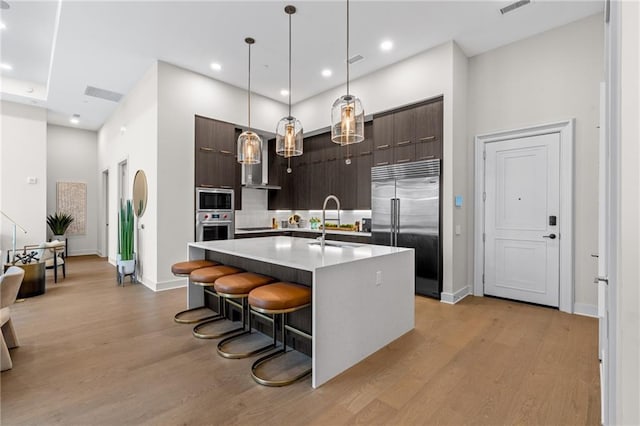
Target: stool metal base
{"x": 201, "y": 335}
{"x": 177, "y": 317}
{"x": 270, "y": 382}
{"x": 240, "y": 355}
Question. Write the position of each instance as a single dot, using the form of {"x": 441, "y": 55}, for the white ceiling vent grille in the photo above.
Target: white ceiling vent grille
{"x": 103, "y": 94}
{"x": 514, "y": 6}
{"x": 354, "y": 59}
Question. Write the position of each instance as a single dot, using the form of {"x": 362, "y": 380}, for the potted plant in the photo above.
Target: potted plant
{"x": 58, "y": 223}
{"x": 126, "y": 261}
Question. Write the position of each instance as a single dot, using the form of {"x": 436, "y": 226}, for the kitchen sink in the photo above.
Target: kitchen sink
{"x": 332, "y": 243}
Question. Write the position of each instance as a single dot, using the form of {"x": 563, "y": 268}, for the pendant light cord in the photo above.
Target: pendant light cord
{"x": 348, "y": 47}
{"x": 249, "y": 92}
{"x": 289, "y": 65}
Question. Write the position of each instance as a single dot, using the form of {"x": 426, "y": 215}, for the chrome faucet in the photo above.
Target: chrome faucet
{"x": 324, "y": 211}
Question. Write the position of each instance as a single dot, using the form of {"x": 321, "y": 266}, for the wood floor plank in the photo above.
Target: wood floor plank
{"x": 94, "y": 353}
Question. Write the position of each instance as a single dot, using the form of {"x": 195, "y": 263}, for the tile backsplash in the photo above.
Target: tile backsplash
{"x": 255, "y": 212}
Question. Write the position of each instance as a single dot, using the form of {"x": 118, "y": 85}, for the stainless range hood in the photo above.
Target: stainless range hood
{"x": 256, "y": 176}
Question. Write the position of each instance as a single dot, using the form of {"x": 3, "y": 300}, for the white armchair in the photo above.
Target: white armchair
{"x": 9, "y": 286}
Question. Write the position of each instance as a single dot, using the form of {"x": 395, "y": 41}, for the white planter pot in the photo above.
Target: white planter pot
{"x": 127, "y": 266}
{"x": 58, "y": 237}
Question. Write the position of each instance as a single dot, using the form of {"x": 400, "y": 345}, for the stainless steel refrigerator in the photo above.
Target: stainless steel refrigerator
{"x": 405, "y": 212}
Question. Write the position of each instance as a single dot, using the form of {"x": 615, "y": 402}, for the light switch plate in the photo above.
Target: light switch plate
{"x": 32, "y": 180}
{"x": 458, "y": 230}
{"x": 379, "y": 278}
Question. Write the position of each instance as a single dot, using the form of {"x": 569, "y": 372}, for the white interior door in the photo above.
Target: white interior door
{"x": 522, "y": 198}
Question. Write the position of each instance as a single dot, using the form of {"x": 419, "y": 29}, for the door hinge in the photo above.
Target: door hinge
{"x": 484, "y": 155}
{"x": 484, "y": 237}
{"x": 484, "y": 196}
{"x": 482, "y": 278}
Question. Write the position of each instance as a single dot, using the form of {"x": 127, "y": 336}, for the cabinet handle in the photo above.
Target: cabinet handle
{"x": 222, "y": 151}
{"x": 366, "y": 153}
{"x": 226, "y": 187}
{"x": 406, "y": 160}
{"x": 204, "y": 148}
{"x": 428, "y": 138}
{"x": 204, "y": 185}
{"x": 383, "y": 163}
{"x": 428, "y": 157}
{"x": 382, "y": 146}
{"x": 404, "y": 143}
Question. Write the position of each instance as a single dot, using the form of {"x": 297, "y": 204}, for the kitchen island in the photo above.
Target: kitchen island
{"x": 362, "y": 294}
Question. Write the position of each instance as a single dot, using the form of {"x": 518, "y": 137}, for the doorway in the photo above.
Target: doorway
{"x": 524, "y": 215}
{"x": 104, "y": 222}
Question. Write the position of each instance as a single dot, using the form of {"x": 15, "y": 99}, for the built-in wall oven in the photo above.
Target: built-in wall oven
{"x": 214, "y": 214}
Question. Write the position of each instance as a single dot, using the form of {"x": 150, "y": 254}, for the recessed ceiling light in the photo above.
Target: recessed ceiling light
{"x": 386, "y": 45}
{"x": 326, "y": 73}
{"x": 284, "y": 92}
{"x": 75, "y": 119}
{"x": 6, "y": 67}
{"x": 216, "y": 66}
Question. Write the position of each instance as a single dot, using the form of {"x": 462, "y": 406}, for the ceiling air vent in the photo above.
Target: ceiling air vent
{"x": 354, "y": 59}
{"x": 102, "y": 94}
{"x": 514, "y": 6}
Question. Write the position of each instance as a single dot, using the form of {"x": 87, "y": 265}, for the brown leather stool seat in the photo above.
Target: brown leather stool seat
{"x": 278, "y": 299}
{"x": 185, "y": 268}
{"x": 203, "y": 276}
{"x": 208, "y": 276}
{"x": 238, "y": 286}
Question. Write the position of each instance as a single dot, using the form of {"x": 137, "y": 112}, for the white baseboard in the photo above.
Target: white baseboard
{"x": 585, "y": 309}
{"x": 453, "y": 298}
{"x": 82, "y": 252}
{"x": 171, "y": 284}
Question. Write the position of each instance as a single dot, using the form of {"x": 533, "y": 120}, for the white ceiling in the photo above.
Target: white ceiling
{"x": 111, "y": 44}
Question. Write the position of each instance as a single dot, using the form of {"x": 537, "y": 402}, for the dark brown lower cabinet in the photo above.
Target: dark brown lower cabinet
{"x": 363, "y": 165}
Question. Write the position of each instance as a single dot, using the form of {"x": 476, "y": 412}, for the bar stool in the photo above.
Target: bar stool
{"x": 183, "y": 269}
{"x": 280, "y": 299}
{"x": 238, "y": 286}
{"x": 206, "y": 277}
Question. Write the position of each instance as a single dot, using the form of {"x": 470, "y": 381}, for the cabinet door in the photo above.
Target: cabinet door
{"x": 225, "y": 137}
{"x": 346, "y": 182}
{"x": 301, "y": 186}
{"x": 363, "y": 164}
{"x": 429, "y": 131}
{"x": 204, "y": 153}
{"x": 404, "y": 123}
{"x": 383, "y": 139}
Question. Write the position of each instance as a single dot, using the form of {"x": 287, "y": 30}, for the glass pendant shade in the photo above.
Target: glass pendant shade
{"x": 347, "y": 120}
{"x": 249, "y": 148}
{"x": 289, "y": 137}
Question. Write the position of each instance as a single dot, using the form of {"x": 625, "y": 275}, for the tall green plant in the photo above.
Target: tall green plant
{"x": 59, "y": 222}
{"x": 125, "y": 231}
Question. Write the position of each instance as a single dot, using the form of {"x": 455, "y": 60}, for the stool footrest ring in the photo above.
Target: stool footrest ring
{"x": 240, "y": 355}
{"x": 270, "y": 382}
{"x": 200, "y": 335}
{"x": 178, "y": 317}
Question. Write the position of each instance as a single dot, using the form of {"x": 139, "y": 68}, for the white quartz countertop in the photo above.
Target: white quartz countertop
{"x": 315, "y": 231}
{"x": 296, "y": 252}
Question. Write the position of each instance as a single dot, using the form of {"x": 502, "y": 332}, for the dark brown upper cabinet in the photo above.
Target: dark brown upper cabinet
{"x": 215, "y": 160}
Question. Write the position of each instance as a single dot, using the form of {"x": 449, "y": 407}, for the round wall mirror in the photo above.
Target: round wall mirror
{"x": 139, "y": 193}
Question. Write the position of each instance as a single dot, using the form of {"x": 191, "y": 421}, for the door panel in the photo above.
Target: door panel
{"x": 382, "y": 192}
{"x": 522, "y": 192}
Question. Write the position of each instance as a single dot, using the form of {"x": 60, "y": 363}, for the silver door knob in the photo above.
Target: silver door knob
{"x": 550, "y": 236}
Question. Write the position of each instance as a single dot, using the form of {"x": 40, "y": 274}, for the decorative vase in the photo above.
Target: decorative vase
{"x": 126, "y": 266}
{"x": 58, "y": 237}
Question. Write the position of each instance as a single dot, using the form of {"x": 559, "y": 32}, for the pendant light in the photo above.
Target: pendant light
{"x": 289, "y": 133}
{"x": 347, "y": 113}
{"x": 249, "y": 142}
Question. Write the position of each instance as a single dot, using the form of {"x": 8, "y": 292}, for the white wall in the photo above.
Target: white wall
{"x": 628, "y": 301}
{"x": 72, "y": 156}
{"x": 423, "y": 76}
{"x": 181, "y": 95}
{"x": 131, "y": 134}
{"x": 23, "y": 153}
{"x": 550, "y": 77}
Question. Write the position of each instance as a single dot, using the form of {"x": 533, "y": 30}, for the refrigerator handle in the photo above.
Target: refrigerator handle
{"x": 397, "y": 219}
{"x": 393, "y": 222}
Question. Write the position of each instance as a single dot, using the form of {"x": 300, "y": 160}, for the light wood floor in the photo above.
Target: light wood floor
{"x": 95, "y": 353}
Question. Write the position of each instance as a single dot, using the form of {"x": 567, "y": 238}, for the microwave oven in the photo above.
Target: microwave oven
{"x": 211, "y": 199}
